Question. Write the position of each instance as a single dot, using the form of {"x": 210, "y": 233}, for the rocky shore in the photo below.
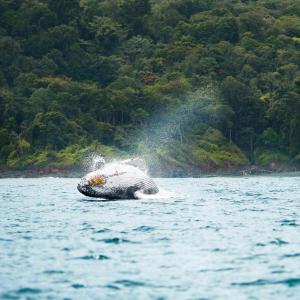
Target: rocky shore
{"x": 167, "y": 172}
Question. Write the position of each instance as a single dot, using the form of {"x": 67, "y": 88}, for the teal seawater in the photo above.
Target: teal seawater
{"x": 217, "y": 238}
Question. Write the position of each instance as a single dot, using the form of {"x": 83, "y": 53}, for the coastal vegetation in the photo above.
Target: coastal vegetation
{"x": 189, "y": 84}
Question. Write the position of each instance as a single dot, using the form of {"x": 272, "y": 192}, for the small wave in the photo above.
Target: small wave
{"x": 78, "y": 286}
{"x": 289, "y": 223}
{"x": 113, "y": 287}
{"x": 128, "y": 283}
{"x": 104, "y": 230}
{"x": 218, "y": 250}
{"x": 67, "y": 249}
{"x": 16, "y": 294}
{"x": 163, "y": 239}
{"x": 291, "y": 255}
{"x": 116, "y": 240}
{"x": 277, "y": 271}
{"x": 289, "y": 282}
{"x": 224, "y": 269}
{"x": 94, "y": 257}
{"x": 279, "y": 242}
{"x": 28, "y": 290}
{"x": 144, "y": 228}
{"x": 6, "y": 240}
{"x": 52, "y": 272}
{"x": 254, "y": 283}
{"x": 252, "y": 257}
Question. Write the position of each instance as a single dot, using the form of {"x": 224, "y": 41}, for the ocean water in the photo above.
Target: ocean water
{"x": 209, "y": 238}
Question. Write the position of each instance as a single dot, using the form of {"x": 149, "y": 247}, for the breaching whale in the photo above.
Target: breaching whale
{"x": 118, "y": 181}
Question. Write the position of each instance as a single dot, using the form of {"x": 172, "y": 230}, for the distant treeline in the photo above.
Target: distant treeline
{"x": 98, "y": 72}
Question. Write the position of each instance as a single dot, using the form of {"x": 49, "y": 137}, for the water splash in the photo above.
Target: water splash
{"x": 95, "y": 161}
{"x": 162, "y": 194}
{"x": 92, "y": 162}
{"x": 171, "y": 124}
{"x": 189, "y": 117}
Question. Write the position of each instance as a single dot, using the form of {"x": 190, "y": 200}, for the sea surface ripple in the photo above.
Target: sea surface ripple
{"x": 216, "y": 238}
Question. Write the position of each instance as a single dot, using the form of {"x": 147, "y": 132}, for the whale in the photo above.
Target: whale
{"x": 120, "y": 180}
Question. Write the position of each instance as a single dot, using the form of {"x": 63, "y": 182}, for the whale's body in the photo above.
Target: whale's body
{"x": 117, "y": 181}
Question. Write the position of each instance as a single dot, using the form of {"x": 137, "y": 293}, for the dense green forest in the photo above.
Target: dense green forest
{"x": 191, "y": 84}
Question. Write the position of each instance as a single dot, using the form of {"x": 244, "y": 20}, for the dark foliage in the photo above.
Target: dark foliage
{"x": 100, "y": 71}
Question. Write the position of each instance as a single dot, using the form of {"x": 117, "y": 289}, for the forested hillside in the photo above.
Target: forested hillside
{"x": 195, "y": 84}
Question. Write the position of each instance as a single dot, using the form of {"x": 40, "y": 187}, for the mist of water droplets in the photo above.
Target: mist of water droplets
{"x": 92, "y": 162}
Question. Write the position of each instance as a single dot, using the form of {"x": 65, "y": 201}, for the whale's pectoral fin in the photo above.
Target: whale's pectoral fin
{"x": 148, "y": 187}
{"x": 131, "y": 191}
{"x": 121, "y": 193}
{"x": 150, "y": 191}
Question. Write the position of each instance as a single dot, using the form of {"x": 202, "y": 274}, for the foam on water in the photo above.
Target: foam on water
{"x": 162, "y": 194}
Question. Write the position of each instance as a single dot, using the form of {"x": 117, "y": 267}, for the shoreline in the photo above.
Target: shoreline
{"x": 195, "y": 173}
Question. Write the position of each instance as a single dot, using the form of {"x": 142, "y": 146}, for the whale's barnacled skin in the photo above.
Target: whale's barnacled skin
{"x": 117, "y": 181}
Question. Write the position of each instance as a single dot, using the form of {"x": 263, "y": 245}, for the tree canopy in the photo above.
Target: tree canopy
{"x": 76, "y": 73}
